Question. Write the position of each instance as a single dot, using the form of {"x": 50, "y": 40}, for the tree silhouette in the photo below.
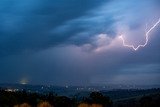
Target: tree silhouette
{"x": 63, "y": 101}
{"x": 98, "y": 98}
{"x": 44, "y": 104}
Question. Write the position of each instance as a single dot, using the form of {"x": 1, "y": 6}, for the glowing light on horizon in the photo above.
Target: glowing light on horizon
{"x": 146, "y": 38}
{"x": 24, "y": 81}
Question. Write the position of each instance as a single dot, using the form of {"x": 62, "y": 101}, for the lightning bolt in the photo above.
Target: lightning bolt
{"x": 146, "y": 38}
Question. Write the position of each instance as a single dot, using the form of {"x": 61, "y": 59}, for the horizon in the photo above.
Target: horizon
{"x": 116, "y": 86}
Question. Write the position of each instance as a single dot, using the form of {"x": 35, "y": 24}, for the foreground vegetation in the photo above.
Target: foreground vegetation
{"x": 94, "y": 99}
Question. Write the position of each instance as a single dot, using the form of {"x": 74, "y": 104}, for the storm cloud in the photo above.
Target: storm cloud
{"x": 70, "y": 42}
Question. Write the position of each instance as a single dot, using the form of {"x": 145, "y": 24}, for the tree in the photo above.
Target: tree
{"x": 98, "y": 98}
{"x": 63, "y": 101}
{"x": 44, "y": 104}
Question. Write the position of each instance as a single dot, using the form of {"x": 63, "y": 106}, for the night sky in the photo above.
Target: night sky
{"x": 76, "y": 42}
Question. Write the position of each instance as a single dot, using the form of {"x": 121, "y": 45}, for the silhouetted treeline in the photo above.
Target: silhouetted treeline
{"x": 94, "y": 99}
{"x": 22, "y": 98}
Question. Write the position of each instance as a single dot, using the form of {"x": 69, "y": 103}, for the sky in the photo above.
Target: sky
{"x": 76, "y": 42}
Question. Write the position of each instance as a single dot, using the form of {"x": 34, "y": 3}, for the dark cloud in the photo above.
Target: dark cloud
{"x": 28, "y": 24}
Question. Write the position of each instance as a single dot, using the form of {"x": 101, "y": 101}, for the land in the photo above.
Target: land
{"x": 73, "y": 96}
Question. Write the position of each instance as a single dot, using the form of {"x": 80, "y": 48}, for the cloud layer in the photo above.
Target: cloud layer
{"x": 76, "y": 42}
